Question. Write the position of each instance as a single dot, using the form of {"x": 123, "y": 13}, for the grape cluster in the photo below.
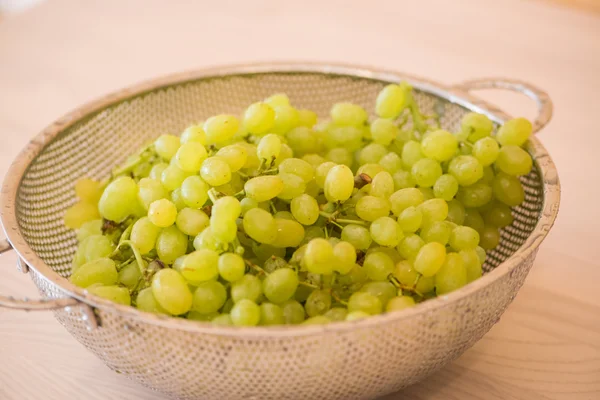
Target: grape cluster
{"x": 276, "y": 218}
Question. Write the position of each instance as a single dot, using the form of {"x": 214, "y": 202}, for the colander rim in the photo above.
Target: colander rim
{"x": 18, "y": 168}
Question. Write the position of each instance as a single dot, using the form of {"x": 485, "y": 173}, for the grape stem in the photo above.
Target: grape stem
{"x": 256, "y": 267}
{"x": 213, "y": 195}
{"x": 136, "y": 253}
{"x": 309, "y": 285}
{"x": 338, "y": 299}
{"x": 144, "y": 155}
{"x": 394, "y": 281}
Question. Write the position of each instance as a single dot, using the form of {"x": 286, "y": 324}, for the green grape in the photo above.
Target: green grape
{"x": 488, "y": 175}
{"x": 247, "y": 204}
{"x": 146, "y": 301}
{"x": 79, "y": 214}
{"x": 344, "y": 257}
{"x": 358, "y": 236}
{"x": 88, "y": 229}
{"x": 476, "y": 195}
{"x": 513, "y": 160}
{"x": 144, "y": 234}
{"x": 347, "y": 137}
{"x": 172, "y": 177}
{"x": 116, "y": 294}
{"x": 305, "y": 209}
{"x": 445, "y": 187}
{"x": 391, "y": 162}
{"x": 339, "y": 183}
{"x": 264, "y": 251}
{"x": 221, "y": 128}
{"x": 222, "y": 320}
{"x": 318, "y": 320}
{"x": 285, "y": 153}
{"x": 514, "y": 132}
{"x": 475, "y": 126}
{"x": 199, "y": 317}
{"x": 383, "y": 131}
{"x": 157, "y": 170}
{"x": 170, "y": 244}
{"x": 356, "y": 315}
{"x": 409, "y": 247}
{"x": 410, "y": 219}
{"x": 425, "y": 284}
{"x": 271, "y": 314}
{"x": 336, "y": 314}
{"x": 391, "y": 100}
{"x": 252, "y": 162}
{"x": 166, "y": 146}
{"x": 289, "y": 233}
{"x": 193, "y": 133}
{"x": 403, "y": 180}
{"x": 231, "y": 267}
{"x": 384, "y": 291}
{"x": 293, "y": 312}
{"x": 405, "y": 273}
{"x": 150, "y": 190}
{"x": 162, "y": 213}
{"x": 481, "y": 254}
{"x": 486, "y": 151}
{"x": 245, "y": 313}
{"x": 472, "y": 264}
{"x": 348, "y": 114}
{"x": 369, "y": 208}
{"x": 452, "y": 275}
{"x": 101, "y": 270}
{"x": 399, "y": 303}
{"x": 298, "y": 167}
{"x": 404, "y": 198}
{"x": 191, "y": 221}
{"x": 314, "y": 159}
{"x": 209, "y": 297}
{"x": 439, "y": 145}
{"x": 430, "y": 259}
{"x": 456, "y": 212}
{"x": 464, "y": 238}
{"x": 130, "y": 275}
{"x": 223, "y": 230}
{"x": 200, "y": 266}
{"x": 227, "y": 207}
{"x": 302, "y": 140}
{"x": 411, "y": 153}
{"x": 189, "y": 156}
{"x": 386, "y": 232}
{"x": 366, "y": 302}
{"x": 382, "y": 185}
{"x": 426, "y": 172}
{"x": 474, "y": 220}
{"x": 260, "y": 225}
{"x": 286, "y": 118}
{"x": 171, "y": 291}
{"x": 433, "y": 210}
{"x": 249, "y": 288}
{"x": 466, "y": 169}
{"x": 499, "y": 215}
{"x": 234, "y": 155}
{"x": 318, "y": 257}
{"x": 88, "y": 190}
{"x": 215, "y": 171}
{"x": 92, "y": 248}
{"x": 259, "y": 118}
{"x": 206, "y": 240}
{"x": 268, "y": 148}
{"x": 438, "y": 231}
{"x": 263, "y": 188}
{"x": 117, "y": 200}
{"x": 427, "y": 193}
{"x": 378, "y": 266}
{"x": 307, "y": 118}
{"x": 293, "y": 186}
{"x": 508, "y": 190}
{"x": 280, "y": 285}
{"x": 372, "y": 153}
{"x": 279, "y": 99}
{"x": 284, "y": 215}
{"x": 490, "y": 237}
{"x": 318, "y": 303}
{"x": 340, "y": 155}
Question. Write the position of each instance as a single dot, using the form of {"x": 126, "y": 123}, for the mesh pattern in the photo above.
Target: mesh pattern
{"x": 359, "y": 363}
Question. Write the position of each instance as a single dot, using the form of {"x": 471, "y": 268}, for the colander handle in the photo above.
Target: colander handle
{"x": 536, "y": 94}
{"x": 27, "y": 304}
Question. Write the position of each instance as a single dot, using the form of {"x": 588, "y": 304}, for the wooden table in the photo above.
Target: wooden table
{"x": 65, "y": 52}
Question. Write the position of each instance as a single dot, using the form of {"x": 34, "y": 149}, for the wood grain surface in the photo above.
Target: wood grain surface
{"x": 62, "y": 53}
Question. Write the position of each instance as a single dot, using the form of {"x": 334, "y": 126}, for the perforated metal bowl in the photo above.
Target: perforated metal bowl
{"x": 192, "y": 360}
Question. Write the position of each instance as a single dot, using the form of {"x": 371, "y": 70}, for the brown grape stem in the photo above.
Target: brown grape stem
{"x": 136, "y": 253}
{"x": 338, "y": 299}
{"x": 256, "y": 267}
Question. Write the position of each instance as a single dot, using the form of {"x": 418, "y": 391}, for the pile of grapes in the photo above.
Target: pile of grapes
{"x": 276, "y": 218}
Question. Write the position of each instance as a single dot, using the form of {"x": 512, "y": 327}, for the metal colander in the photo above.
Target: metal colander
{"x": 192, "y": 360}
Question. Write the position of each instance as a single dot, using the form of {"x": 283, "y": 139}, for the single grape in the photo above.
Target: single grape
{"x": 400, "y": 303}
{"x": 378, "y": 266}
{"x": 433, "y": 210}
{"x": 307, "y": 118}
{"x": 172, "y": 177}
{"x": 303, "y": 140}
{"x": 260, "y": 225}
{"x": 193, "y": 133}
{"x": 206, "y": 240}
{"x": 305, "y": 209}
{"x": 391, "y": 100}
{"x": 475, "y": 126}
{"x": 101, "y": 270}
{"x": 199, "y": 317}
{"x": 514, "y": 161}
{"x": 339, "y": 183}
{"x": 476, "y": 195}
{"x": 370, "y": 208}
{"x": 430, "y": 259}
{"x": 177, "y": 199}
{"x": 340, "y": 155}
{"x": 405, "y": 273}
{"x": 391, "y": 162}
{"x": 348, "y": 114}
{"x": 464, "y": 238}
{"x": 263, "y": 188}
{"x": 271, "y": 314}
{"x": 472, "y": 264}
{"x": 426, "y": 172}
{"x": 358, "y": 236}
{"x": 372, "y": 153}
{"x": 490, "y": 237}
{"x": 382, "y": 185}
{"x": 222, "y": 320}
{"x": 321, "y": 173}
{"x": 224, "y": 230}
{"x": 191, "y": 221}
{"x": 157, "y": 170}
{"x": 117, "y": 199}
{"x": 366, "y": 302}
{"x": 259, "y": 118}
{"x": 452, "y": 275}
{"x": 318, "y": 257}
{"x": 456, "y": 212}
{"x": 445, "y": 187}
{"x": 146, "y": 301}
{"x": 486, "y": 151}
{"x": 383, "y": 131}
{"x": 499, "y": 215}
{"x": 411, "y": 153}
{"x": 293, "y": 186}
{"x": 437, "y": 231}
{"x": 221, "y": 128}
{"x": 466, "y": 169}
{"x": 508, "y": 190}
{"x": 404, "y": 198}
{"x": 344, "y": 257}
{"x": 386, "y": 232}
{"x": 129, "y": 275}
{"x": 289, "y": 233}
{"x": 116, "y": 294}
{"x": 356, "y": 315}
{"x": 286, "y": 119}
{"x": 410, "y": 219}
{"x": 171, "y": 291}
{"x": 514, "y": 132}
{"x": 162, "y": 213}
{"x": 170, "y": 244}
{"x": 318, "y": 303}
{"x": 245, "y": 313}
{"x": 336, "y": 314}
{"x": 384, "y": 291}
{"x": 189, "y": 156}
{"x": 79, "y": 214}
{"x": 209, "y": 297}
{"x": 144, "y": 234}
{"x": 425, "y": 284}
{"x": 280, "y": 285}
{"x": 439, "y": 145}
{"x": 150, "y": 190}
{"x": 293, "y": 312}
{"x": 231, "y": 267}
{"x": 215, "y": 171}
{"x": 166, "y": 146}
{"x": 234, "y": 155}
{"x": 409, "y": 247}
{"x": 314, "y": 159}
{"x": 249, "y": 288}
